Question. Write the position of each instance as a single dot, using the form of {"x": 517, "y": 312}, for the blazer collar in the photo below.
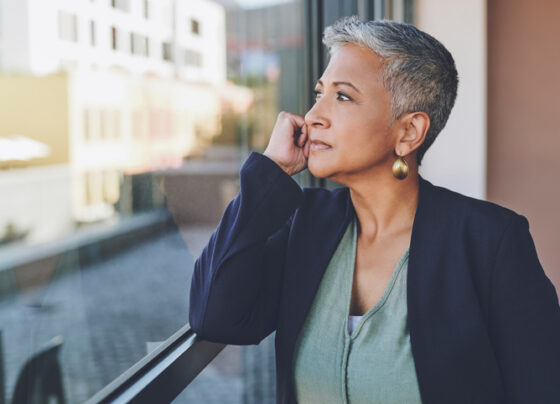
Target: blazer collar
{"x": 326, "y": 228}
{"x": 315, "y": 249}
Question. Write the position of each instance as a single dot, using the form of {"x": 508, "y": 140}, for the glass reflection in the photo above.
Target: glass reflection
{"x": 123, "y": 125}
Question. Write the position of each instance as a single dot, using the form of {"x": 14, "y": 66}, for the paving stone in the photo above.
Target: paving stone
{"x": 107, "y": 313}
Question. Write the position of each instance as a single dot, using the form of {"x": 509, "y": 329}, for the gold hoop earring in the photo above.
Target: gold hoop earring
{"x": 400, "y": 168}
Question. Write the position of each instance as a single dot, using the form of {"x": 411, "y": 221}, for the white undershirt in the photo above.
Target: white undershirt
{"x": 353, "y": 322}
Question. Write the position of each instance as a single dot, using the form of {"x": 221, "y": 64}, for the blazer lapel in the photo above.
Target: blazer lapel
{"x": 428, "y": 297}
{"x": 321, "y": 231}
{"x": 447, "y": 334}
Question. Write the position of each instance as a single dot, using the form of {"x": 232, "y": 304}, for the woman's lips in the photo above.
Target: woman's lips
{"x": 317, "y": 145}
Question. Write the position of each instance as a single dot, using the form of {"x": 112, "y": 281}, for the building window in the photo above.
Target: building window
{"x": 90, "y": 188}
{"x": 167, "y": 53}
{"x": 146, "y": 9}
{"x": 138, "y": 44}
{"x": 87, "y": 132}
{"x": 111, "y": 185}
{"x": 123, "y": 5}
{"x": 102, "y": 124}
{"x": 195, "y": 27}
{"x": 193, "y": 58}
{"x": 114, "y": 38}
{"x": 92, "y": 32}
{"x": 67, "y": 26}
{"x": 116, "y": 124}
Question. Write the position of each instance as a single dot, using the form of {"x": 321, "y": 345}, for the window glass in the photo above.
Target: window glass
{"x": 115, "y": 168}
{"x": 123, "y": 5}
{"x": 114, "y": 38}
{"x": 195, "y": 28}
{"x": 67, "y": 26}
{"x": 146, "y": 9}
{"x": 92, "y": 32}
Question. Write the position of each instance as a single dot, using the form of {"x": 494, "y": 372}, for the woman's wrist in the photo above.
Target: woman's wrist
{"x": 279, "y": 164}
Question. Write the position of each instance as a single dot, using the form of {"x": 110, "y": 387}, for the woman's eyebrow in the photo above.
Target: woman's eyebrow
{"x": 339, "y": 83}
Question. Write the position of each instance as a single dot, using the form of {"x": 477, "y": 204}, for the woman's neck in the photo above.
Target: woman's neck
{"x": 384, "y": 204}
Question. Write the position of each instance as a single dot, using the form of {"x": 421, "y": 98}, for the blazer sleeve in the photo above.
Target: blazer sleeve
{"x": 525, "y": 320}
{"x": 237, "y": 280}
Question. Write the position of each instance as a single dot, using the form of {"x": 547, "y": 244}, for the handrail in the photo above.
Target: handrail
{"x": 162, "y": 374}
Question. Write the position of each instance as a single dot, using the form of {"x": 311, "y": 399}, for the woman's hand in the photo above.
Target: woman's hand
{"x": 288, "y": 146}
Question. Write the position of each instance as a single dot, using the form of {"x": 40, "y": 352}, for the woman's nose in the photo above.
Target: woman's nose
{"x": 315, "y": 117}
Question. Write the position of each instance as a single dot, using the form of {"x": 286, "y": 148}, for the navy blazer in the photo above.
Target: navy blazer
{"x": 483, "y": 317}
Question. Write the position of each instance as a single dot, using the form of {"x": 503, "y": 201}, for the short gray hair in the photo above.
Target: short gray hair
{"x": 418, "y": 71}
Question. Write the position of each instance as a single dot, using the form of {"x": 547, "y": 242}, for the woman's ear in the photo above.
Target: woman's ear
{"x": 414, "y": 127}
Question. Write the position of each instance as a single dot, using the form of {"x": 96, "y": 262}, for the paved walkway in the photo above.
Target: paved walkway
{"x": 107, "y": 314}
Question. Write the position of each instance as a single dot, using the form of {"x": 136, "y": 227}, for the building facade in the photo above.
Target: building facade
{"x": 112, "y": 88}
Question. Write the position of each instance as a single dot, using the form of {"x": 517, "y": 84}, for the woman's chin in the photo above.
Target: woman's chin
{"x": 318, "y": 168}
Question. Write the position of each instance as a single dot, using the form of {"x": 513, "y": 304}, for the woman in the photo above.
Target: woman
{"x": 389, "y": 290}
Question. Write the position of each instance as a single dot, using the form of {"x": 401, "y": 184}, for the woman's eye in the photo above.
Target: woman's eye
{"x": 340, "y": 95}
{"x": 343, "y": 97}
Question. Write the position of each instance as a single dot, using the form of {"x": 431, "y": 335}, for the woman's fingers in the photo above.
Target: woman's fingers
{"x": 287, "y": 141}
{"x": 298, "y": 120}
{"x": 303, "y": 136}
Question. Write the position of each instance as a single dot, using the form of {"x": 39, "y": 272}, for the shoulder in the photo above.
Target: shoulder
{"x": 448, "y": 208}
{"x": 467, "y": 211}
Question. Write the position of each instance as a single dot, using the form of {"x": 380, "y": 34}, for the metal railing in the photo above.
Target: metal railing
{"x": 164, "y": 373}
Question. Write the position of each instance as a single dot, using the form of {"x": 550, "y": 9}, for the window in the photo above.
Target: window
{"x": 116, "y": 124}
{"x": 138, "y": 44}
{"x": 87, "y": 132}
{"x": 67, "y": 26}
{"x": 87, "y": 187}
{"x": 123, "y": 5}
{"x": 110, "y": 187}
{"x": 195, "y": 27}
{"x": 132, "y": 50}
{"x": 102, "y": 124}
{"x": 92, "y": 32}
{"x": 137, "y": 181}
{"x": 167, "y": 53}
{"x": 114, "y": 38}
{"x": 146, "y": 9}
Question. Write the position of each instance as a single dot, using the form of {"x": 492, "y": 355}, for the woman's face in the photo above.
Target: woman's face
{"x": 350, "y": 122}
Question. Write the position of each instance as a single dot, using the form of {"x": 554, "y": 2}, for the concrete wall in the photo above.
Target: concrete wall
{"x": 523, "y": 112}
{"x": 457, "y": 159}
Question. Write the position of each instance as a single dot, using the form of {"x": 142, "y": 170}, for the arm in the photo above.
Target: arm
{"x": 237, "y": 280}
{"x": 525, "y": 320}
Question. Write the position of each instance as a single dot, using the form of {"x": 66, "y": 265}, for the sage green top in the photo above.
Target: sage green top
{"x": 373, "y": 363}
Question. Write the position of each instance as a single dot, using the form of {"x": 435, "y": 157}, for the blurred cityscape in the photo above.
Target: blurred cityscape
{"x": 123, "y": 124}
